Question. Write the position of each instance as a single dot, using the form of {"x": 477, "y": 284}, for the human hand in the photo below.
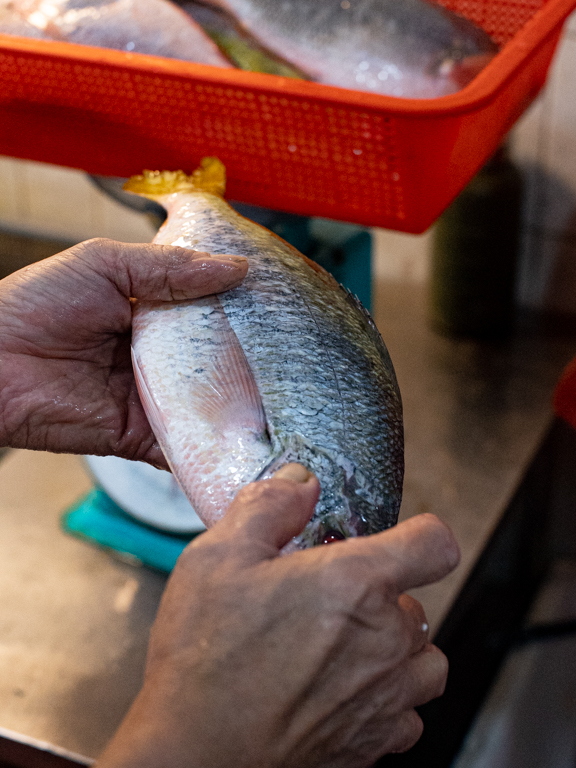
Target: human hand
{"x": 66, "y": 381}
{"x": 315, "y": 659}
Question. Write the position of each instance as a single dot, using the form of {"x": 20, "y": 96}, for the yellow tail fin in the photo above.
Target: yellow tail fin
{"x": 209, "y": 177}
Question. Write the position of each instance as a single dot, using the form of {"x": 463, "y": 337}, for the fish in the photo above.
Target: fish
{"x": 12, "y": 22}
{"x": 405, "y": 48}
{"x": 287, "y": 367}
{"x": 156, "y": 27}
{"x": 242, "y": 49}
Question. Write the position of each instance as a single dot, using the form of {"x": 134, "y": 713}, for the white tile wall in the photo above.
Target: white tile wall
{"x": 558, "y": 151}
{"x": 13, "y": 203}
{"x": 62, "y": 203}
{"x": 398, "y": 256}
{"x": 544, "y": 145}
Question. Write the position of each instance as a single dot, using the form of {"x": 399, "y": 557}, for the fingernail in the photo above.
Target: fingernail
{"x": 295, "y": 472}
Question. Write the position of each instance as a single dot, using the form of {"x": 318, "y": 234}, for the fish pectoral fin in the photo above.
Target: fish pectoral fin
{"x": 227, "y": 396}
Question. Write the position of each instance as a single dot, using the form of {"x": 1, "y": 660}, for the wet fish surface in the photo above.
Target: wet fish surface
{"x": 156, "y": 27}
{"x": 13, "y": 22}
{"x": 407, "y": 48}
{"x": 240, "y": 47}
{"x": 286, "y": 367}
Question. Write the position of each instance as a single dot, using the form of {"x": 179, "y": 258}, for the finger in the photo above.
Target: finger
{"x": 267, "y": 514}
{"x": 405, "y": 731}
{"x": 393, "y": 632}
{"x": 293, "y": 471}
{"x": 415, "y": 619}
{"x": 155, "y": 456}
{"x": 161, "y": 272}
{"x": 418, "y": 551}
{"x": 425, "y": 675}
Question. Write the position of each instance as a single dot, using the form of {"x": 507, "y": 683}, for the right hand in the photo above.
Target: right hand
{"x": 315, "y": 659}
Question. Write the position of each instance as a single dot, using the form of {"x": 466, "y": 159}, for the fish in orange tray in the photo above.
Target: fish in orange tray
{"x": 155, "y": 27}
{"x": 13, "y": 22}
{"x": 408, "y": 48}
{"x": 286, "y": 367}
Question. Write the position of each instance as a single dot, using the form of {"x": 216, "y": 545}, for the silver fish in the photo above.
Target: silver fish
{"x": 155, "y": 27}
{"x": 13, "y": 22}
{"x": 286, "y": 367}
{"x": 240, "y": 47}
{"x": 408, "y": 48}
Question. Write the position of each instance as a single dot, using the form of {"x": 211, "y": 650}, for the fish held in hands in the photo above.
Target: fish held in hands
{"x": 287, "y": 367}
{"x": 407, "y": 48}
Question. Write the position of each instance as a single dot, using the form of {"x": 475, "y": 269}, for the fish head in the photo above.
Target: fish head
{"x": 350, "y": 504}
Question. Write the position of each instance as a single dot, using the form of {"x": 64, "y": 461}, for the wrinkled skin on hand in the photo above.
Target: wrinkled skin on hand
{"x": 315, "y": 659}
{"x": 66, "y": 381}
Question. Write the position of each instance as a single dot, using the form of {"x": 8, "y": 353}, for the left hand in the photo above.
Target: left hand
{"x": 66, "y": 381}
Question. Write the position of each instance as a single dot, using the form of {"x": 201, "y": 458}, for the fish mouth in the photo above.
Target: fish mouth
{"x": 331, "y": 536}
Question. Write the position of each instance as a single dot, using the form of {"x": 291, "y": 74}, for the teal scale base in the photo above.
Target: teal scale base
{"x": 98, "y": 520}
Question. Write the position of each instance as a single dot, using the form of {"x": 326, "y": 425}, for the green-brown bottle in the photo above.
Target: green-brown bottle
{"x": 475, "y": 252}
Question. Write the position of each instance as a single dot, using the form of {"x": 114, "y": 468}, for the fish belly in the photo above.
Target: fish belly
{"x": 321, "y": 372}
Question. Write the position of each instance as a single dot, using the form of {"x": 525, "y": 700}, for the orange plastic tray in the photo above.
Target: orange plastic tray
{"x": 295, "y": 146}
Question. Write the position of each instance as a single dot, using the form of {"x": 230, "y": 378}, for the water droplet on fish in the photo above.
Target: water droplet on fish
{"x": 332, "y": 536}
{"x": 292, "y": 147}
{"x": 357, "y": 151}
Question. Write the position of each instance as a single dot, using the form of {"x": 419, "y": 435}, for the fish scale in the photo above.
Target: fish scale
{"x": 320, "y": 374}
{"x": 408, "y": 48}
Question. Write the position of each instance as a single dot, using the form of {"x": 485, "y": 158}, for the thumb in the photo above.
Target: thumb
{"x": 267, "y": 514}
{"x": 160, "y": 272}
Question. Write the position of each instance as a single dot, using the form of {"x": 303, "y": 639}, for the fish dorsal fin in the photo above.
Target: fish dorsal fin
{"x": 210, "y": 177}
